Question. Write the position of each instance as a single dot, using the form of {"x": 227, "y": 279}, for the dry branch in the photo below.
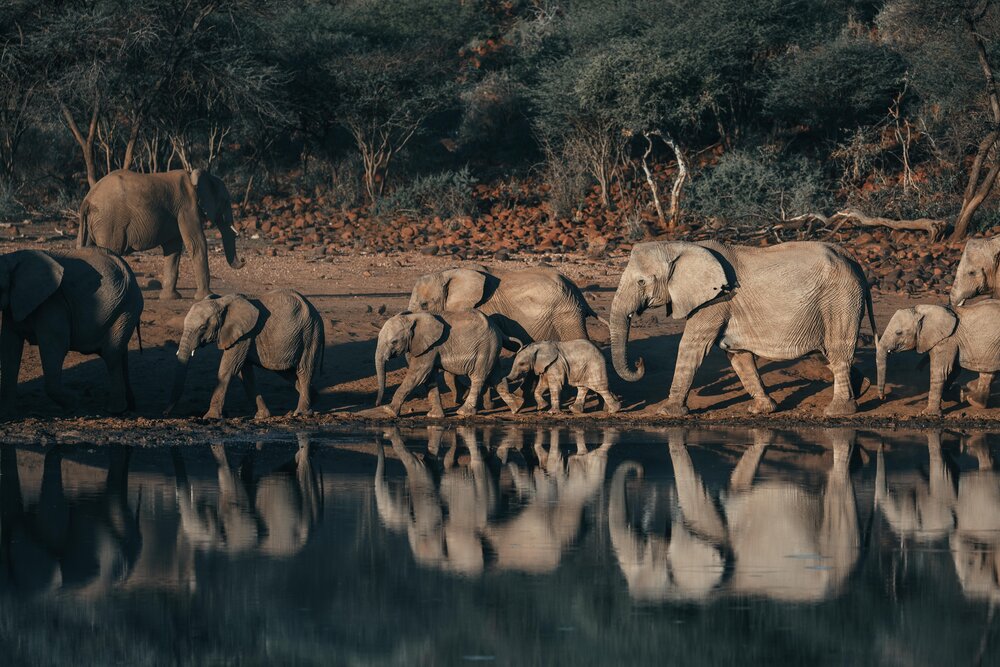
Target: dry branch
{"x": 933, "y": 227}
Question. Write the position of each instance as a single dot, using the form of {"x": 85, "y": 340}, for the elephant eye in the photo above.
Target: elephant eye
{"x": 642, "y": 282}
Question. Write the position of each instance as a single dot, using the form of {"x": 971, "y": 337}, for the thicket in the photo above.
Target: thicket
{"x": 746, "y": 111}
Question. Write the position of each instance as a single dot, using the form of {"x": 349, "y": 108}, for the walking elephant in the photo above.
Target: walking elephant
{"x": 83, "y": 300}
{"x": 127, "y": 211}
{"x": 779, "y": 303}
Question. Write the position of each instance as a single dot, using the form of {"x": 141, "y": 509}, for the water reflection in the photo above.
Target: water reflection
{"x": 540, "y": 546}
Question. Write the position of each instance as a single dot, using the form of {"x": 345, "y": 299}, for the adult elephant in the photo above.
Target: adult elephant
{"x": 779, "y": 303}
{"x": 977, "y": 271}
{"x": 533, "y": 304}
{"x": 127, "y": 211}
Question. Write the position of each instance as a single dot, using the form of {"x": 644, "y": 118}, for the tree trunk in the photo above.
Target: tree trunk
{"x": 86, "y": 144}
{"x": 682, "y": 173}
{"x": 651, "y": 182}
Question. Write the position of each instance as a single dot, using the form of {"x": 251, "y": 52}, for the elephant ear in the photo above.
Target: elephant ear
{"x": 239, "y": 317}
{"x": 545, "y": 355}
{"x": 934, "y": 324}
{"x": 463, "y": 288}
{"x": 36, "y": 277}
{"x": 425, "y": 331}
{"x": 696, "y": 277}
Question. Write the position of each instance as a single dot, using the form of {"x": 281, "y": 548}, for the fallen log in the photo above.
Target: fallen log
{"x": 934, "y": 228}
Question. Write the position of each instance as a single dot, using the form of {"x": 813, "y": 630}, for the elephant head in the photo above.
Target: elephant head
{"x": 533, "y": 358}
{"x": 405, "y": 333}
{"x": 921, "y": 328}
{"x": 919, "y": 508}
{"x": 681, "y": 275}
{"x": 224, "y": 320}
{"x": 977, "y": 270}
{"x": 215, "y": 204}
{"x": 27, "y": 279}
{"x": 454, "y": 289}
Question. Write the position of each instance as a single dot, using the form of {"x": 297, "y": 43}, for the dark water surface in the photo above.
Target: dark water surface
{"x": 505, "y": 546}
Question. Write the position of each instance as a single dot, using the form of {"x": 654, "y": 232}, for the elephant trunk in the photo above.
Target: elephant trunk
{"x": 381, "y": 356}
{"x": 224, "y": 222}
{"x": 624, "y": 541}
{"x": 184, "y": 353}
{"x": 624, "y": 305}
{"x": 881, "y": 361}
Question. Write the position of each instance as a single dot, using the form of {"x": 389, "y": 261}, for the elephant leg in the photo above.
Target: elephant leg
{"x": 539, "y": 391}
{"x": 434, "y": 396}
{"x": 581, "y": 400}
{"x": 939, "y": 376}
{"x": 611, "y": 402}
{"x": 472, "y": 400}
{"x": 977, "y": 392}
{"x": 843, "y": 402}
{"x": 53, "y": 345}
{"x": 194, "y": 239}
{"x": 695, "y": 343}
{"x": 745, "y": 366}
{"x": 512, "y": 401}
{"x": 247, "y": 375}
{"x": 555, "y": 389}
{"x": 451, "y": 382}
{"x": 232, "y": 362}
{"x": 11, "y": 349}
{"x": 171, "y": 263}
{"x": 303, "y": 383}
{"x": 117, "y": 365}
{"x": 487, "y": 398}
{"x": 416, "y": 375}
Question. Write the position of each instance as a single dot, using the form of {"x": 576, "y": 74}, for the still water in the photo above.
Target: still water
{"x": 553, "y": 546}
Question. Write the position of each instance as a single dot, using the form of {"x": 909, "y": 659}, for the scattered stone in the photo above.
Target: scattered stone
{"x": 369, "y": 309}
{"x": 381, "y": 309}
{"x": 153, "y": 283}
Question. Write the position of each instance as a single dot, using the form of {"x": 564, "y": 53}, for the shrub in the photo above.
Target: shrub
{"x": 568, "y": 179}
{"x": 755, "y": 187}
{"x": 10, "y": 207}
{"x": 447, "y": 194}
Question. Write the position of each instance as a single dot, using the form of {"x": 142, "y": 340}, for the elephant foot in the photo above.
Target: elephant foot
{"x": 303, "y": 412}
{"x": 541, "y": 405}
{"x": 212, "y": 414}
{"x": 763, "y": 406}
{"x": 435, "y": 413}
{"x": 466, "y": 411}
{"x": 841, "y": 408}
{"x": 975, "y": 398}
{"x": 515, "y": 404}
{"x": 169, "y": 295}
{"x": 931, "y": 412}
{"x": 577, "y": 408}
{"x": 674, "y": 410}
{"x": 611, "y": 407}
{"x": 487, "y": 401}
{"x": 262, "y": 414}
{"x": 554, "y": 410}
{"x": 393, "y": 412}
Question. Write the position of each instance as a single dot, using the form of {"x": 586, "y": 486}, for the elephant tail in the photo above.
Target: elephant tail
{"x": 138, "y": 333}
{"x": 83, "y": 233}
{"x": 871, "y": 312}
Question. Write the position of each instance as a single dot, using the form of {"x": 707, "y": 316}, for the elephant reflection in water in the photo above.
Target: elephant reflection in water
{"x": 84, "y": 543}
{"x": 273, "y": 514}
{"x": 451, "y": 516}
{"x": 766, "y": 538}
{"x": 964, "y": 507}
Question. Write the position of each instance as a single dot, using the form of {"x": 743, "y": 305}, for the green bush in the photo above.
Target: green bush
{"x": 447, "y": 194}
{"x": 10, "y": 207}
{"x": 756, "y": 187}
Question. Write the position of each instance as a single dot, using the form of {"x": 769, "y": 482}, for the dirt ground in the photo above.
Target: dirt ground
{"x": 356, "y": 293}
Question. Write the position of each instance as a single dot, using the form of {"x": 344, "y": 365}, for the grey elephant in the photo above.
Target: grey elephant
{"x": 977, "y": 271}
{"x": 464, "y": 343}
{"x": 971, "y": 338}
{"x": 127, "y": 211}
{"x": 278, "y": 331}
{"x": 533, "y": 304}
{"x": 780, "y": 303}
{"x": 576, "y": 362}
{"x": 84, "y": 301}
{"x": 741, "y": 542}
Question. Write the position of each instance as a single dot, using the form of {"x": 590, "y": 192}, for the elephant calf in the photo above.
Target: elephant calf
{"x": 972, "y": 335}
{"x": 579, "y": 362}
{"x": 465, "y": 343}
{"x": 84, "y": 300}
{"x": 279, "y": 331}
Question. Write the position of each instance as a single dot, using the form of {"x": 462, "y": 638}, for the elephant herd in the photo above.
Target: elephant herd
{"x": 780, "y": 303}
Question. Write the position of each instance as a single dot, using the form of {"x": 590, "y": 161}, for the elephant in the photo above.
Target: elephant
{"x": 972, "y": 336}
{"x": 66, "y": 541}
{"x": 450, "y": 518}
{"x": 83, "y": 300}
{"x": 538, "y": 303}
{"x": 977, "y": 271}
{"x": 464, "y": 343}
{"x": 273, "y": 514}
{"x": 127, "y": 211}
{"x": 578, "y": 362}
{"x": 278, "y": 331}
{"x": 741, "y": 543}
{"x": 780, "y": 302}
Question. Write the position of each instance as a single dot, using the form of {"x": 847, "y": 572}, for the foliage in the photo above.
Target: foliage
{"x": 446, "y": 195}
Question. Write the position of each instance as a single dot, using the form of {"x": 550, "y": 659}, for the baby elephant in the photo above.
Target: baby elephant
{"x": 578, "y": 362}
{"x": 464, "y": 343}
{"x": 973, "y": 335}
{"x": 279, "y": 331}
